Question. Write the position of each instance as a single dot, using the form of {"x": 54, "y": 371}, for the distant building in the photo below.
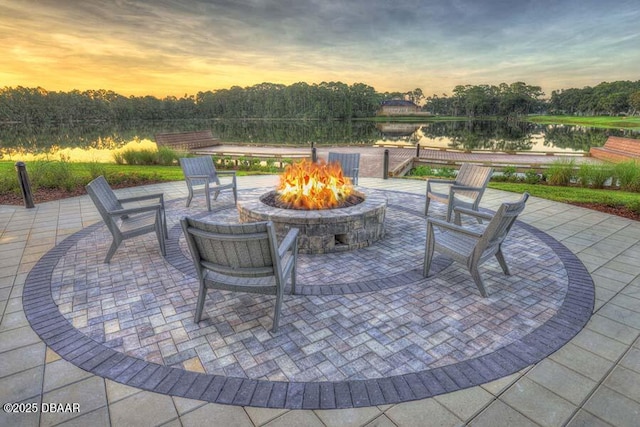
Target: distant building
{"x": 396, "y": 107}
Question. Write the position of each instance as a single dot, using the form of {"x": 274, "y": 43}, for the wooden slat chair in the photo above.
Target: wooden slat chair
{"x": 349, "y": 162}
{"x": 465, "y": 190}
{"x": 201, "y": 176}
{"x": 125, "y": 223}
{"x": 469, "y": 247}
{"x": 242, "y": 258}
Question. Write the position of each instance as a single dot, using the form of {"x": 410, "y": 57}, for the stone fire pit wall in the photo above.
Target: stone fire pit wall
{"x": 325, "y": 230}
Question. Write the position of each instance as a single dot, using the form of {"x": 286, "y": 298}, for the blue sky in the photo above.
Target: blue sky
{"x": 182, "y": 47}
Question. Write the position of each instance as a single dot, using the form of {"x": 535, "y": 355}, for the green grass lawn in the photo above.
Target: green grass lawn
{"x": 597, "y": 121}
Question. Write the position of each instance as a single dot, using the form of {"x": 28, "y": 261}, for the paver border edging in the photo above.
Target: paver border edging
{"x": 75, "y": 347}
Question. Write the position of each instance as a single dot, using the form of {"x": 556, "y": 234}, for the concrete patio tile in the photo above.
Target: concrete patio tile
{"x": 599, "y": 344}
{"x": 184, "y": 405}
{"x": 538, "y": 403}
{"x": 631, "y": 360}
{"x": 97, "y": 418}
{"x": 381, "y": 421}
{"x": 608, "y": 283}
{"x": 614, "y": 408}
{"x": 143, "y": 409}
{"x": 499, "y": 414}
{"x": 13, "y": 305}
{"x": 562, "y": 381}
{"x": 296, "y": 418}
{"x": 21, "y": 386}
{"x": 89, "y": 394}
{"x": 613, "y": 329}
{"x": 61, "y": 373}
{"x": 498, "y": 386}
{"x": 621, "y": 314}
{"x": 224, "y": 415}
{"x": 261, "y": 416}
{"x": 23, "y": 419}
{"x": 627, "y": 302}
{"x": 584, "y": 362}
{"x": 625, "y": 381}
{"x": 604, "y": 296}
{"x": 117, "y": 391}
{"x": 585, "y": 419}
{"x": 348, "y": 417}
{"x": 416, "y": 412}
{"x": 13, "y": 321}
{"x": 467, "y": 402}
{"x": 21, "y": 359}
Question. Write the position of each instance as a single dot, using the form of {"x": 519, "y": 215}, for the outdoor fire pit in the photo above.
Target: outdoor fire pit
{"x": 330, "y": 214}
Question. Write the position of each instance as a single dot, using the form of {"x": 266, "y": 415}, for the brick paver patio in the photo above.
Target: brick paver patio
{"x": 450, "y": 355}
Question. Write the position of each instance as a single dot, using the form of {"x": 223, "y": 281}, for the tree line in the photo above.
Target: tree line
{"x": 323, "y": 101}
{"x": 516, "y": 99}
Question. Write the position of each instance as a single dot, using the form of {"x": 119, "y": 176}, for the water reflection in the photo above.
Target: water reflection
{"x": 465, "y": 135}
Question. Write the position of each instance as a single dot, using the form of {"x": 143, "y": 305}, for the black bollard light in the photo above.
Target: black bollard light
{"x": 418, "y": 150}
{"x": 385, "y": 166}
{"x": 314, "y": 155}
{"x": 25, "y": 185}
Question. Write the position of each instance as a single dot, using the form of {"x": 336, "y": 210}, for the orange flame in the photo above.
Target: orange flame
{"x": 308, "y": 185}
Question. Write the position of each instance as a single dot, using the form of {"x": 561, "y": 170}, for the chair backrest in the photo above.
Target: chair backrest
{"x": 240, "y": 250}
{"x": 105, "y": 200}
{"x": 501, "y": 223}
{"x": 349, "y": 162}
{"x": 199, "y": 166}
{"x": 473, "y": 175}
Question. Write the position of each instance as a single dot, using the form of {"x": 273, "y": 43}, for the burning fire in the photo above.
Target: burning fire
{"x": 308, "y": 185}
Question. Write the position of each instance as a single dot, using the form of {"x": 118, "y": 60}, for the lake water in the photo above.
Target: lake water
{"x": 466, "y": 135}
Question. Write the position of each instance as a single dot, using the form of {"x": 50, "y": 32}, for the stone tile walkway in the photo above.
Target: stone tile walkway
{"x": 591, "y": 379}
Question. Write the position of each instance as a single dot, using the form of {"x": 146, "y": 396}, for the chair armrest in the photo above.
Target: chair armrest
{"x": 473, "y": 213}
{"x": 439, "y": 181}
{"x": 465, "y": 188}
{"x": 288, "y": 242}
{"x": 159, "y": 196}
{"x": 197, "y": 177}
{"x": 226, "y": 173}
{"x": 453, "y": 227}
{"x": 141, "y": 209}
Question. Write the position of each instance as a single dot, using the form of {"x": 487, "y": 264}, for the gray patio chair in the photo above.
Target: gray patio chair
{"x": 241, "y": 258}
{"x": 470, "y": 247}
{"x": 201, "y": 176}
{"x": 465, "y": 190}
{"x": 125, "y": 223}
{"x": 349, "y": 162}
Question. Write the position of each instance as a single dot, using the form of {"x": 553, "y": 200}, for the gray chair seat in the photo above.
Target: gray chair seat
{"x": 201, "y": 176}
{"x": 241, "y": 258}
{"x": 349, "y": 162}
{"x": 472, "y": 247}
{"x": 465, "y": 190}
{"x": 125, "y": 223}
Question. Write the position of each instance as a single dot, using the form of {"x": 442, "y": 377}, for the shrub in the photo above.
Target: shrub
{"x": 422, "y": 170}
{"x": 96, "y": 169}
{"x": 634, "y": 206}
{"x": 594, "y": 176}
{"x": 53, "y": 174}
{"x": 446, "y": 172}
{"x": 628, "y": 175}
{"x": 532, "y": 177}
{"x": 166, "y": 156}
{"x": 561, "y": 172}
{"x": 139, "y": 157}
{"x": 509, "y": 173}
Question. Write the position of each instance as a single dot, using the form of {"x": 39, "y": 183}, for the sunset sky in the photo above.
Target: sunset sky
{"x": 160, "y": 48}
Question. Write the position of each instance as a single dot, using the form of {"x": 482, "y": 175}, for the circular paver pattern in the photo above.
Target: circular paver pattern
{"x": 365, "y": 328}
